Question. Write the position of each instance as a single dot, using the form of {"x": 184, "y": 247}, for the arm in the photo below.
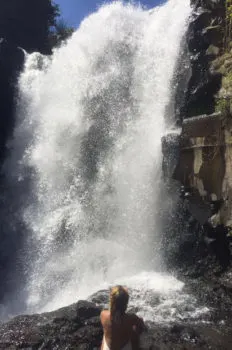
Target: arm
{"x": 138, "y": 327}
{"x": 103, "y": 317}
{"x": 138, "y": 324}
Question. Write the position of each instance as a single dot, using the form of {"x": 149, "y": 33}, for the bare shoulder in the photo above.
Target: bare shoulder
{"x": 105, "y": 315}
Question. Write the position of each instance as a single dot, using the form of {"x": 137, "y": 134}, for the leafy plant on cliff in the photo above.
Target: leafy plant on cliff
{"x": 223, "y": 106}
{"x": 223, "y": 65}
{"x": 228, "y": 29}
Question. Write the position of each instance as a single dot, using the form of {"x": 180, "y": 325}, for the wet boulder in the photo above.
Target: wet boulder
{"x": 77, "y": 327}
{"x": 73, "y": 327}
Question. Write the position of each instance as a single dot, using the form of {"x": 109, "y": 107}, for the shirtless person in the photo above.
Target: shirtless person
{"x": 121, "y": 330}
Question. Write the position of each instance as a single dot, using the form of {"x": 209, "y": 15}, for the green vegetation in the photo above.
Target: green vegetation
{"x": 31, "y": 23}
{"x": 53, "y": 13}
{"x": 223, "y": 65}
{"x": 59, "y": 30}
{"x": 59, "y": 33}
{"x": 228, "y": 28}
{"x": 230, "y": 232}
{"x": 223, "y": 105}
{"x": 224, "y": 99}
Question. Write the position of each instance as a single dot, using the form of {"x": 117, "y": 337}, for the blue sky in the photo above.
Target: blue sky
{"x": 73, "y": 11}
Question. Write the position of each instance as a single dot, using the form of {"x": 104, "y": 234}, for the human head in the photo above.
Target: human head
{"x": 119, "y": 298}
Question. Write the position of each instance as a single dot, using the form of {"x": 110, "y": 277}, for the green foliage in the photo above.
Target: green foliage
{"x": 223, "y": 105}
{"x": 229, "y": 231}
{"x": 54, "y": 13}
{"x": 59, "y": 30}
{"x": 60, "y": 33}
{"x": 227, "y": 80}
{"x": 229, "y": 9}
{"x": 228, "y": 29}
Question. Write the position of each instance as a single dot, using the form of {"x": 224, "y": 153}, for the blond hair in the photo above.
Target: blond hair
{"x": 119, "y": 298}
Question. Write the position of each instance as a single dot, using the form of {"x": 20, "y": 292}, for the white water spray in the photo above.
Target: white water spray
{"x": 88, "y": 140}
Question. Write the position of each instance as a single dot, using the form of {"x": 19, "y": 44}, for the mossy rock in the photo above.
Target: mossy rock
{"x": 212, "y": 52}
{"x": 224, "y": 105}
{"x": 223, "y": 65}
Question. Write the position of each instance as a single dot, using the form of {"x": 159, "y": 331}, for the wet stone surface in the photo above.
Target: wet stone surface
{"x": 78, "y": 326}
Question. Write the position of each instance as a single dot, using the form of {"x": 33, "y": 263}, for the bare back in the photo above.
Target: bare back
{"x": 126, "y": 330}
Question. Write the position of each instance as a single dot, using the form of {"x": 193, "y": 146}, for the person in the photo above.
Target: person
{"x": 121, "y": 330}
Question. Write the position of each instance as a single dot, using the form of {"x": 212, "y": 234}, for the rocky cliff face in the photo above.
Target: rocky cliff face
{"x": 11, "y": 63}
{"x": 200, "y": 158}
{"x": 202, "y": 153}
{"x": 203, "y": 139}
{"x": 203, "y": 160}
{"x": 204, "y": 163}
{"x": 205, "y": 42}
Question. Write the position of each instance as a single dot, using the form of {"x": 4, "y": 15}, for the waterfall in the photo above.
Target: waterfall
{"x": 86, "y": 153}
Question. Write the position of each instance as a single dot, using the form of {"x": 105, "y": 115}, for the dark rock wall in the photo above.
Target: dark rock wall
{"x": 11, "y": 63}
{"x": 25, "y": 23}
{"x": 202, "y": 159}
{"x": 205, "y": 43}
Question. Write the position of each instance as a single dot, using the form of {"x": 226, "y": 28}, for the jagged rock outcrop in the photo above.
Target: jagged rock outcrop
{"x": 73, "y": 327}
{"x": 205, "y": 43}
{"x": 203, "y": 164}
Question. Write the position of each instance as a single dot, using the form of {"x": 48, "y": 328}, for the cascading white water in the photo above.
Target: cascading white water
{"x": 88, "y": 140}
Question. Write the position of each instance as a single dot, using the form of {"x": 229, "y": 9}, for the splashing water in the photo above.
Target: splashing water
{"x": 88, "y": 142}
